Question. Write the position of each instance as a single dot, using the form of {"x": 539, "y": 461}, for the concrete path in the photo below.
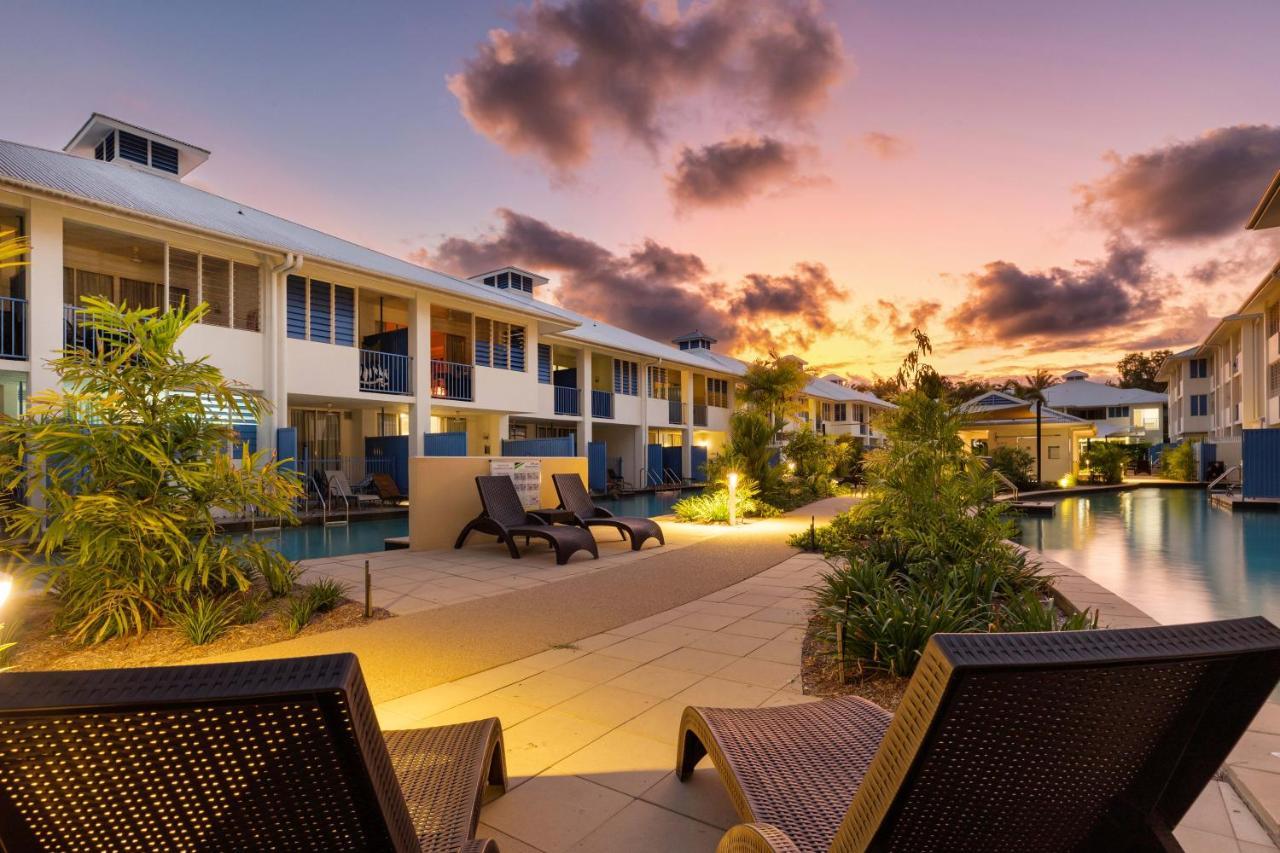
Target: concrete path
{"x": 410, "y": 653}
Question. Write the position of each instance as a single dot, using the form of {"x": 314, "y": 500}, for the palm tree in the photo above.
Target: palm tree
{"x": 1033, "y": 385}
{"x": 13, "y": 249}
{"x": 774, "y": 388}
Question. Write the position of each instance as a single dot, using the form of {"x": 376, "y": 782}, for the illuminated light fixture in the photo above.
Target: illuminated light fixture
{"x": 6, "y": 587}
{"x": 791, "y": 465}
{"x": 1066, "y": 481}
{"x": 733, "y": 498}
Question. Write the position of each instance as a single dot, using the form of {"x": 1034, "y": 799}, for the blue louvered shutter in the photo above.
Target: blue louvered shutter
{"x": 484, "y": 331}
{"x": 344, "y": 316}
{"x": 296, "y": 321}
{"x": 544, "y": 364}
{"x": 320, "y": 326}
{"x": 517, "y": 348}
{"x": 617, "y": 377}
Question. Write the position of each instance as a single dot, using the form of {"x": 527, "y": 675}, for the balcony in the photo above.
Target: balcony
{"x": 699, "y": 414}
{"x": 13, "y": 327}
{"x": 568, "y": 401}
{"x": 601, "y": 404}
{"x": 75, "y": 332}
{"x": 675, "y": 412}
{"x": 385, "y": 372}
{"x": 452, "y": 381}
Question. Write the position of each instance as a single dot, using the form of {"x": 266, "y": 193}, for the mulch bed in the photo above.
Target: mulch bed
{"x": 821, "y": 676}
{"x": 39, "y": 648}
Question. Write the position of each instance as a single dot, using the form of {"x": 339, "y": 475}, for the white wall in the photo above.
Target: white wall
{"x": 237, "y": 353}
{"x": 505, "y": 390}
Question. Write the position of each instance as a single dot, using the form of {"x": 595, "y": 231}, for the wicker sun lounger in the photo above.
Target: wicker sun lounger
{"x": 573, "y": 497}
{"x": 505, "y": 517}
{"x": 267, "y": 755}
{"x": 387, "y": 488}
{"x": 1069, "y": 741}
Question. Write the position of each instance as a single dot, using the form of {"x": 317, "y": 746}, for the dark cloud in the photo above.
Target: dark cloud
{"x": 1005, "y": 303}
{"x": 730, "y": 172}
{"x": 916, "y": 316}
{"x": 1241, "y": 264}
{"x": 886, "y": 146}
{"x": 567, "y": 71}
{"x": 653, "y": 290}
{"x": 1179, "y": 327}
{"x": 1187, "y": 192}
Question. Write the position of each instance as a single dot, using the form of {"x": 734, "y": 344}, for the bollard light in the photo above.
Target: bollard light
{"x": 6, "y": 587}
{"x": 733, "y": 498}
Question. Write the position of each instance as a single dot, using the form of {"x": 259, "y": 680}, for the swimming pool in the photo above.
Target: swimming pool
{"x": 313, "y": 540}
{"x": 1167, "y": 551}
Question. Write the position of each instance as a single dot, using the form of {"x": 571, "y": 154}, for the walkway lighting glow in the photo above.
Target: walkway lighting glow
{"x": 6, "y": 587}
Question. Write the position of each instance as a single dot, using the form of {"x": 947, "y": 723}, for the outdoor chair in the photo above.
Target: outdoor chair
{"x": 388, "y": 490}
{"x": 1063, "y": 741}
{"x": 267, "y": 755}
{"x": 573, "y": 497}
{"x": 340, "y": 486}
{"x": 505, "y": 517}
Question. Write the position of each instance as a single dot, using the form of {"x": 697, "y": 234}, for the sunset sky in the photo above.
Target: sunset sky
{"x": 1035, "y": 184}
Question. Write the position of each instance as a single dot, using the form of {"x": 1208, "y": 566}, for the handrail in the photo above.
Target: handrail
{"x": 13, "y": 327}
{"x": 451, "y": 380}
{"x": 1002, "y": 478}
{"x": 385, "y": 372}
{"x": 1221, "y": 477}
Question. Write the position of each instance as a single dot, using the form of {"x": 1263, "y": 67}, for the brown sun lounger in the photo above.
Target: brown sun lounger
{"x": 1066, "y": 741}
{"x": 267, "y": 755}
{"x": 505, "y": 517}
{"x": 386, "y": 488}
{"x": 573, "y": 497}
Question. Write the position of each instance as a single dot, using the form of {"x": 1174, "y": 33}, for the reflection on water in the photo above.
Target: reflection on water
{"x": 1168, "y": 552}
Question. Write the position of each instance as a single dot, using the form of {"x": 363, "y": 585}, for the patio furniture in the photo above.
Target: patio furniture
{"x": 1066, "y": 741}
{"x": 387, "y": 488}
{"x": 573, "y": 497}
{"x": 340, "y": 486}
{"x": 505, "y": 517}
{"x": 267, "y": 755}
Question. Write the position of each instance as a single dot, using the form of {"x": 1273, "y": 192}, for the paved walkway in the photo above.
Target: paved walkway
{"x": 423, "y": 649}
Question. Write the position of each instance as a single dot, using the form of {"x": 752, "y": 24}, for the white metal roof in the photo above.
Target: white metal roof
{"x": 134, "y": 191}
{"x": 985, "y": 408}
{"x": 1083, "y": 393}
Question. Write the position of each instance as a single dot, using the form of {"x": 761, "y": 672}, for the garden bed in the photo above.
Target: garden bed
{"x": 821, "y": 676}
{"x": 39, "y": 648}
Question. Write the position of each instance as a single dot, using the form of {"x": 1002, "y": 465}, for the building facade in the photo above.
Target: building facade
{"x": 357, "y": 352}
{"x": 1126, "y": 415}
{"x": 1189, "y": 375}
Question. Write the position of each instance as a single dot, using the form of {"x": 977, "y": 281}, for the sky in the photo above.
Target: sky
{"x": 1035, "y": 185}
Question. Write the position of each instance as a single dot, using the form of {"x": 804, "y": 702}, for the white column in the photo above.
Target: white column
{"x": 44, "y": 292}
{"x": 272, "y": 326}
{"x": 686, "y": 410}
{"x": 420, "y": 352}
{"x": 642, "y": 436}
{"x": 584, "y": 379}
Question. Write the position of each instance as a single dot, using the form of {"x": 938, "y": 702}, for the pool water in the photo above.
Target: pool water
{"x": 1167, "y": 551}
{"x": 313, "y": 540}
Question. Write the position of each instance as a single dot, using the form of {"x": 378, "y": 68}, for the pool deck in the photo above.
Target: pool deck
{"x": 1244, "y": 814}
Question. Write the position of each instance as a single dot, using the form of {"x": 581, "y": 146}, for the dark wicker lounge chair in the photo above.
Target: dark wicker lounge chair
{"x": 386, "y": 488}
{"x": 267, "y": 755}
{"x": 573, "y": 497}
{"x": 505, "y": 517}
{"x": 1068, "y": 741}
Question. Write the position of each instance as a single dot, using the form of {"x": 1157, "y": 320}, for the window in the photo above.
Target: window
{"x": 510, "y": 281}
{"x": 626, "y": 377}
{"x": 344, "y": 316}
{"x": 1117, "y": 411}
{"x": 499, "y": 344}
{"x": 859, "y": 413}
{"x": 1273, "y": 320}
{"x": 184, "y": 278}
{"x": 1055, "y": 452}
{"x": 327, "y": 316}
{"x": 106, "y": 149}
{"x": 320, "y": 313}
{"x": 164, "y": 157}
{"x": 544, "y": 364}
{"x": 230, "y": 288}
{"x": 718, "y": 393}
{"x": 660, "y": 386}
{"x": 1199, "y": 368}
{"x": 215, "y": 289}
{"x": 133, "y": 147}
{"x": 1199, "y": 405}
{"x": 296, "y": 299}
{"x": 246, "y": 298}
{"x": 1273, "y": 379}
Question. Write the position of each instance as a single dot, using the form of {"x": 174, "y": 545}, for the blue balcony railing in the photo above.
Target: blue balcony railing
{"x": 699, "y": 414}
{"x": 385, "y": 372}
{"x": 601, "y": 403}
{"x": 568, "y": 401}
{"x": 76, "y": 334}
{"x": 675, "y": 412}
{"x": 452, "y": 381}
{"x": 13, "y": 327}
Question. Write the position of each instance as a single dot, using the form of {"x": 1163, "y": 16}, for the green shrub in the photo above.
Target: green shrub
{"x": 1016, "y": 463}
{"x": 1031, "y": 611}
{"x": 132, "y": 443}
{"x": 1179, "y": 463}
{"x": 712, "y": 507}
{"x": 297, "y": 613}
{"x": 8, "y": 642}
{"x": 204, "y": 619}
{"x": 278, "y": 573}
{"x": 326, "y": 594}
{"x": 1105, "y": 462}
{"x": 252, "y": 608}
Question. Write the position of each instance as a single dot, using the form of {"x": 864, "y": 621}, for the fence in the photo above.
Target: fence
{"x": 451, "y": 381}
{"x": 385, "y": 372}
{"x": 565, "y": 445}
{"x": 568, "y": 401}
{"x": 601, "y": 403}
{"x": 13, "y": 327}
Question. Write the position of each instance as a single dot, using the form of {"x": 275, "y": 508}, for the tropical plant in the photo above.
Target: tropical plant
{"x": 297, "y": 613}
{"x": 1032, "y": 386}
{"x": 326, "y": 593}
{"x": 252, "y": 608}
{"x": 749, "y": 452}
{"x": 133, "y": 467}
{"x": 13, "y": 249}
{"x": 204, "y": 618}
{"x": 1179, "y": 463}
{"x": 774, "y": 388}
{"x": 1032, "y": 611}
{"x": 1139, "y": 370}
{"x": 712, "y": 506}
{"x": 1015, "y": 463}
{"x": 8, "y": 642}
{"x": 1105, "y": 461}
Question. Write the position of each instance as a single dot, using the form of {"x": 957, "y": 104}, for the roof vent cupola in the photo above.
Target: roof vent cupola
{"x": 1075, "y": 376}
{"x": 694, "y": 340}
{"x": 512, "y": 279}
{"x": 114, "y": 141}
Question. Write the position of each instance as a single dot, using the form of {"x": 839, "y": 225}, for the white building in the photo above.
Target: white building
{"x": 359, "y": 352}
{"x": 1189, "y": 374}
{"x": 1128, "y": 415}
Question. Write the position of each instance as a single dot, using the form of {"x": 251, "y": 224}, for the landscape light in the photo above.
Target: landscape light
{"x": 733, "y": 498}
{"x": 6, "y": 587}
